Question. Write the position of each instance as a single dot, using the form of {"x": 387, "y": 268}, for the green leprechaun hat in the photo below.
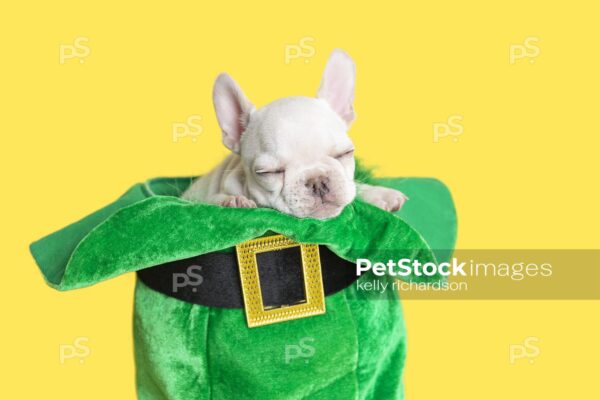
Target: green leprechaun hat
{"x": 184, "y": 349}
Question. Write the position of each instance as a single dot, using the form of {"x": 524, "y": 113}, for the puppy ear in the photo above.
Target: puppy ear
{"x": 233, "y": 110}
{"x": 337, "y": 85}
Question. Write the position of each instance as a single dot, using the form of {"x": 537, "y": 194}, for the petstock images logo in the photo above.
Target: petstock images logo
{"x": 483, "y": 274}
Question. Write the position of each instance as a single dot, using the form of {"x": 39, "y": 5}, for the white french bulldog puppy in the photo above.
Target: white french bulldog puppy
{"x": 294, "y": 154}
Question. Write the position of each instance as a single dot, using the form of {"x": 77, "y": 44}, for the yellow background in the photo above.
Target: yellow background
{"x": 523, "y": 173}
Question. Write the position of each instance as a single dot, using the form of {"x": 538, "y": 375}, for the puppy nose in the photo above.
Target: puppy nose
{"x": 319, "y": 186}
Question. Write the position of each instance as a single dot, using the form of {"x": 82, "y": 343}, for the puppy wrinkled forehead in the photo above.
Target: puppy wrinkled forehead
{"x": 295, "y": 122}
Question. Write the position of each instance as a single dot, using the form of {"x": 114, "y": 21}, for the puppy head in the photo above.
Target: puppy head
{"x": 296, "y": 154}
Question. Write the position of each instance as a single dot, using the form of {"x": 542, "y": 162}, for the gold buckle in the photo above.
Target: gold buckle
{"x": 256, "y": 312}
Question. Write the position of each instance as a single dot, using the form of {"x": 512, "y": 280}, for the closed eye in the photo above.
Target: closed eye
{"x": 269, "y": 172}
{"x": 345, "y": 154}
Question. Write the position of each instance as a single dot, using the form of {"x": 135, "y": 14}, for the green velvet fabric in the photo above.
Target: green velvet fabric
{"x": 356, "y": 350}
